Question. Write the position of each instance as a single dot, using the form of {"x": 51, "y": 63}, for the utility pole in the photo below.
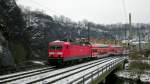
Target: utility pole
{"x": 88, "y": 32}
{"x": 130, "y": 19}
{"x": 129, "y": 31}
{"x": 130, "y": 26}
{"x": 139, "y": 38}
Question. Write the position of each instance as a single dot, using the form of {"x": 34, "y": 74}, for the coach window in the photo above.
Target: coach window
{"x": 94, "y": 50}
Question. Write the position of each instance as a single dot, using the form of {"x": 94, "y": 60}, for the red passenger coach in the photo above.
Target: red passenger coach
{"x": 116, "y": 49}
{"x": 61, "y": 51}
{"x": 100, "y": 50}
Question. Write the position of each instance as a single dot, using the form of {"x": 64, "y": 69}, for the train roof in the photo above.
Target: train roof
{"x": 65, "y": 42}
{"x": 58, "y": 42}
{"x": 100, "y": 45}
{"x": 116, "y": 46}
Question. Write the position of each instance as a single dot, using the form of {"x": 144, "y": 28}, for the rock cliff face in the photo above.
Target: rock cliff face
{"x": 11, "y": 33}
{"x": 6, "y": 59}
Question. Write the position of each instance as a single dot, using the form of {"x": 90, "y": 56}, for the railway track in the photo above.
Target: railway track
{"x": 71, "y": 75}
{"x": 20, "y": 75}
{"x": 50, "y": 74}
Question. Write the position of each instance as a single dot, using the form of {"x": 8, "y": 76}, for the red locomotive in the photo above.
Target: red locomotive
{"x": 61, "y": 51}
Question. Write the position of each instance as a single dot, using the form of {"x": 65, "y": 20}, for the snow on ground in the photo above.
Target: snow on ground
{"x": 23, "y": 72}
{"x": 1, "y": 49}
{"x": 144, "y": 77}
{"x": 75, "y": 76}
{"x": 127, "y": 75}
{"x": 38, "y": 62}
{"x": 47, "y": 74}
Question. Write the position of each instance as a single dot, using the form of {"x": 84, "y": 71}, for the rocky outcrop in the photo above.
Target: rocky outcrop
{"x": 6, "y": 59}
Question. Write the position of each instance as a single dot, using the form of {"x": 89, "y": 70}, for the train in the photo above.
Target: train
{"x": 61, "y": 52}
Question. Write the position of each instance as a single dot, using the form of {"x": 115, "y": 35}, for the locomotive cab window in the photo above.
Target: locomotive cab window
{"x": 55, "y": 47}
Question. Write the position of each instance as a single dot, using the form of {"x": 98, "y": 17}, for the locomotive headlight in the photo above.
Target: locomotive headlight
{"x": 51, "y": 53}
{"x": 59, "y": 53}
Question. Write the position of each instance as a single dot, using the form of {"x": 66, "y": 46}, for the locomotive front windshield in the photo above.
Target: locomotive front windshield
{"x": 55, "y": 47}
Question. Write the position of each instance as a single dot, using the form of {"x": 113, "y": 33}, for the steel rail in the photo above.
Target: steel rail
{"x": 85, "y": 64}
{"x": 71, "y": 71}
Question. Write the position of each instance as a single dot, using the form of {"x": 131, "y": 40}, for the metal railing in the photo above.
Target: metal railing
{"x": 98, "y": 72}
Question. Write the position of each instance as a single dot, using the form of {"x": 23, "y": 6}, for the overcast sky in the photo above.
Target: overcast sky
{"x": 98, "y": 11}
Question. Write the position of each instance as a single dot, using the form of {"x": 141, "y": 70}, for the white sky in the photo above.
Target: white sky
{"x": 98, "y": 11}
